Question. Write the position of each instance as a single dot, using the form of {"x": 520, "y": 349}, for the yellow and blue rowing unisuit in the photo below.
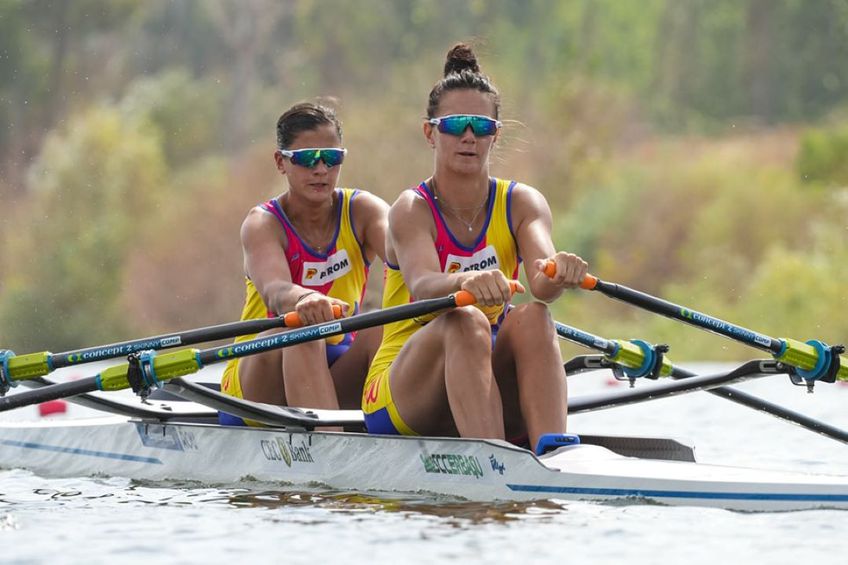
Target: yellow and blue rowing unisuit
{"x": 494, "y": 249}
{"x": 341, "y": 273}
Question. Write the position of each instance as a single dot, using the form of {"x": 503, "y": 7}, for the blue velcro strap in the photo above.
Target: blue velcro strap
{"x": 145, "y": 361}
{"x": 6, "y": 381}
{"x": 822, "y": 365}
{"x": 549, "y": 442}
{"x": 647, "y": 365}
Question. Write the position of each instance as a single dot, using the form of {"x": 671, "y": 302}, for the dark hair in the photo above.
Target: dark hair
{"x": 302, "y": 117}
{"x": 462, "y": 72}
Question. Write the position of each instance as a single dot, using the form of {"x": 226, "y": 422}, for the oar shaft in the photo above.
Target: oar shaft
{"x": 586, "y": 339}
{"x": 751, "y": 401}
{"x": 328, "y": 329}
{"x": 757, "y": 403}
{"x": 188, "y": 361}
{"x": 691, "y": 317}
{"x": 625, "y": 353}
{"x": 122, "y": 349}
{"x": 34, "y": 365}
{"x": 52, "y": 392}
{"x": 812, "y": 360}
{"x": 749, "y": 370}
{"x": 154, "y": 369}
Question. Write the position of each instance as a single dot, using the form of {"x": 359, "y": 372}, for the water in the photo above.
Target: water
{"x": 114, "y": 520}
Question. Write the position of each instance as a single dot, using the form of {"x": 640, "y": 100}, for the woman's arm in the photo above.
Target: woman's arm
{"x": 533, "y": 224}
{"x": 371, "y": 222}
{"x": 411, "y": 238}
{"x": 265, "y": 262}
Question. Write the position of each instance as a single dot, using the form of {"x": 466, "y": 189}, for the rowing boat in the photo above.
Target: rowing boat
{"x": 181, "y": 439}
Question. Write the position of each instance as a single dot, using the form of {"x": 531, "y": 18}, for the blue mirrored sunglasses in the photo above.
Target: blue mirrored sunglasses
{"x": 309, "y": 157}
{"x": 456, "y": 124}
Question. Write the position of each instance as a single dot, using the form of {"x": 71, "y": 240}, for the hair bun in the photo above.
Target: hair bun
{"x": 461, "y": 58}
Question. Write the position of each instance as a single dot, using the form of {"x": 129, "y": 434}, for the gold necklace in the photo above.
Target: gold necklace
{"x": 454, "y": 211}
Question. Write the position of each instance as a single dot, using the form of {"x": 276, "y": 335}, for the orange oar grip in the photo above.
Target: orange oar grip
{"x": 589, "y": 282}
{"x": 465, "y": 298}
{"x": 292, "y": 320}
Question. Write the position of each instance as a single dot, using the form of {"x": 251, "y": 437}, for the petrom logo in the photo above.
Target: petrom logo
{"x": 317, "y": 273}
{"x": 482, "y": 260}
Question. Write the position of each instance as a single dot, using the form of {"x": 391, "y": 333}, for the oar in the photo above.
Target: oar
{"x": 154, "y": 368}
{"x": 22, "y": 367}
{"x": 639, "y": 359}
{"x": 635, "y": 357}
{"x": 812, "y": 360}
{"x": 750, "y": 370}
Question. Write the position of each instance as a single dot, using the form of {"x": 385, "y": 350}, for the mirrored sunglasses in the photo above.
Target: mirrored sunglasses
{"x": 456, "y": 124}
{"x": 309, "y": 157}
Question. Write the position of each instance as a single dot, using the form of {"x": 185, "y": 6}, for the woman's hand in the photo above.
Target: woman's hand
{"x": 315, "y": 308}
{"x": 570, "y": 269}
{"x": 490, "y": 288}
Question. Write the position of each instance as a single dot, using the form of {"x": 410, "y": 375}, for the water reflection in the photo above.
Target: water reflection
{"x": 464, "y": 512}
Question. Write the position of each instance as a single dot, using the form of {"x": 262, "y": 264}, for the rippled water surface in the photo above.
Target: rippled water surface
{"x": 115, "y": 520}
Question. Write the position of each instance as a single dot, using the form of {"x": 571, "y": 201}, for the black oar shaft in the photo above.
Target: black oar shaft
{"x": 751, "y": 401}
{"x": 52, "y": 392}
{"x": 341, "y": 326}
{"x": 190, "y": 337}
{"x": 691, "y": 317}
{"x": 186, "y": 361}
{"x": 757, "y": 403}
{"x": 751, "y": 369}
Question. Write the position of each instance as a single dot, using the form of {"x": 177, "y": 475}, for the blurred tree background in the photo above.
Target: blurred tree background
{"x": 696, "y": 149}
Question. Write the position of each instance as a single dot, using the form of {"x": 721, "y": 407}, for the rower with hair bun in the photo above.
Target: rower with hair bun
{"x": 490, "y": 371}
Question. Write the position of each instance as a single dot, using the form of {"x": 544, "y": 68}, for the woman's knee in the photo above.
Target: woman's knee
{"x": 534, "y": 313}
{"x": 467, "y": 325}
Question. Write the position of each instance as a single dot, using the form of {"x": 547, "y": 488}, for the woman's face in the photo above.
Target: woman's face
{"x": 466, "y": 153}
{"x": 319, "y": 181}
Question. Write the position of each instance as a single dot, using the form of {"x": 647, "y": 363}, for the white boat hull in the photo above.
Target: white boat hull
{"x": 469, "y": 469}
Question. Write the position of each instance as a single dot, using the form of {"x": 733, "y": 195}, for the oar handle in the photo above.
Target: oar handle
{"x": 465, "y": 298}
{"x": 292, "y": 319}
{"x": 589, "y": 282}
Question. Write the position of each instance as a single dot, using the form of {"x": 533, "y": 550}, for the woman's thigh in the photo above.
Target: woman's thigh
{"x": 417, "y": 378}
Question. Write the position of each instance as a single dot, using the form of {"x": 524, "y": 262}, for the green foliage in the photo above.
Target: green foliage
{"x": 823, "y": 156}
{"x": 184, "y": 111}
{"x": 802, "y": 293}
{"x": 94, "y": 185}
